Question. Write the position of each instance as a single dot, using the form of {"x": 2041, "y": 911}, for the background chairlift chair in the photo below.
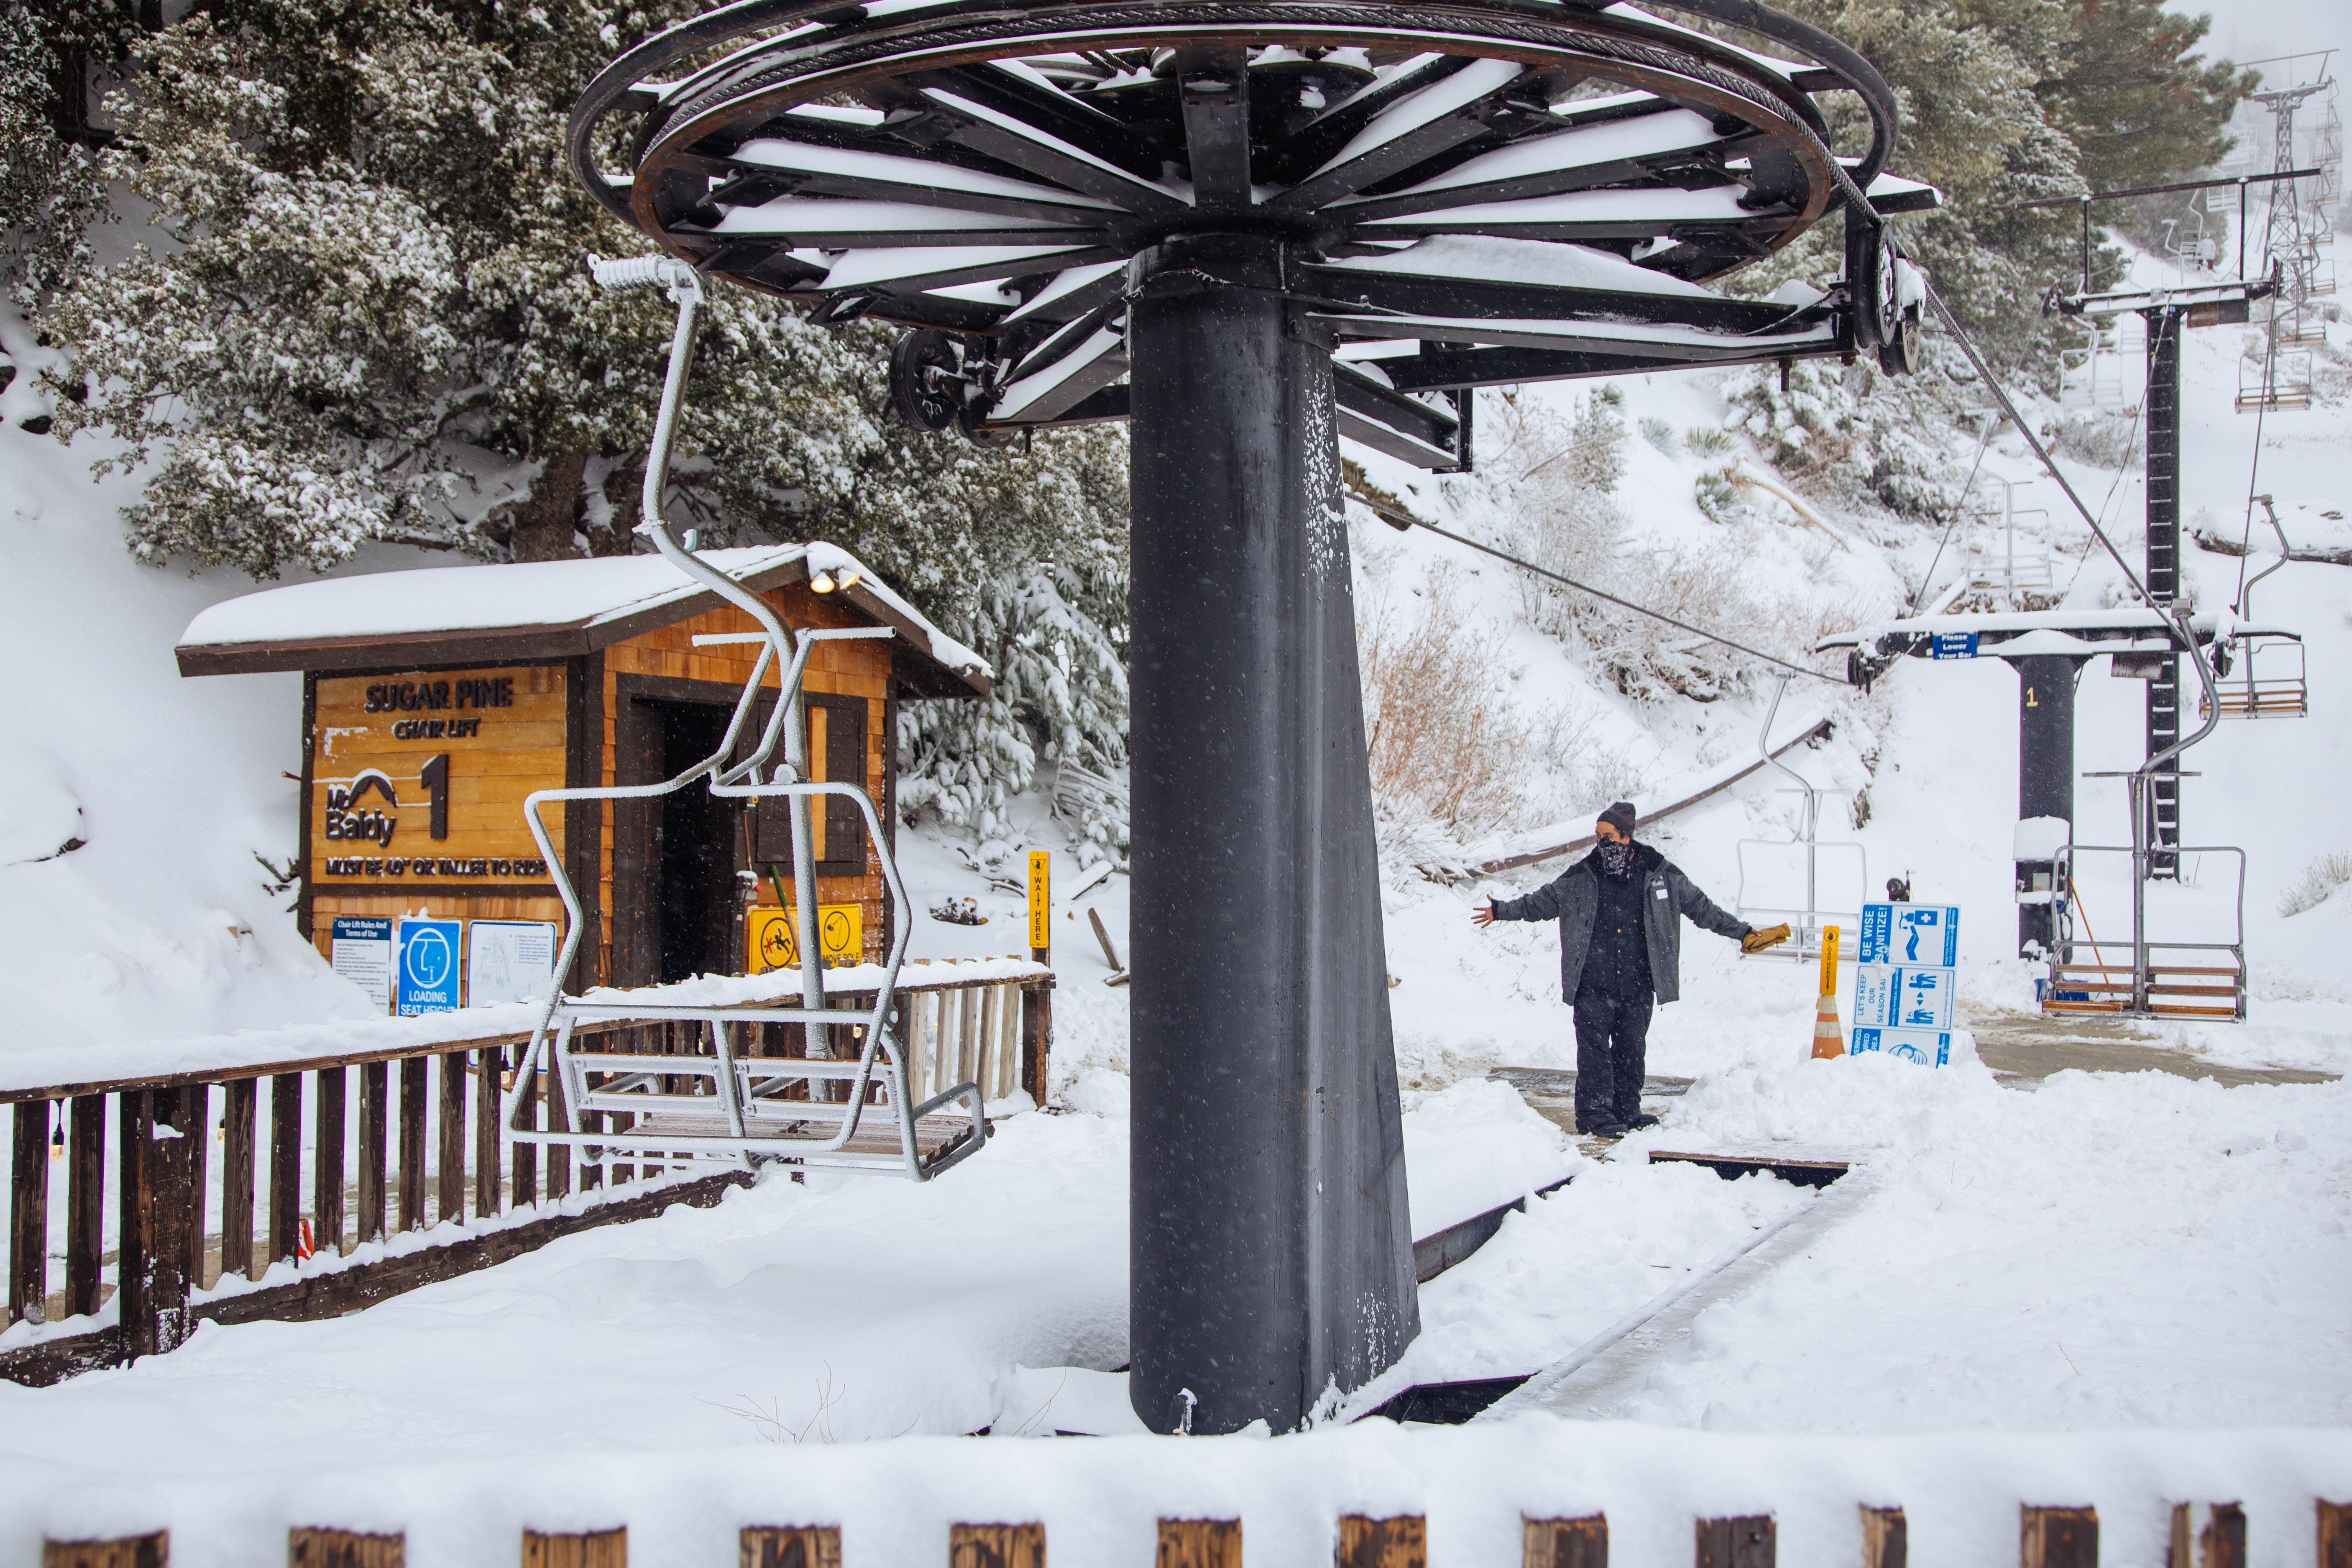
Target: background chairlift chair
{"x": 2268, "y": 691}
{"x": 741, "y": 1114}
{"x": 1777, "y": 862}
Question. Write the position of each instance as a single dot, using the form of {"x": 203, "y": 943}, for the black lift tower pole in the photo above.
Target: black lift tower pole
{"x": 1249, "y": 229}
{"x": 2164, "y": 324}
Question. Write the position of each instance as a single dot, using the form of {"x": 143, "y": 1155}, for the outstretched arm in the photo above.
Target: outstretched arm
{"x": 1700, "y": 909}
{"x": 1543, "y": 904}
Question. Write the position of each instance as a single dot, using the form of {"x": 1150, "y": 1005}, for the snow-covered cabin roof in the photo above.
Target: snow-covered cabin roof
{"x": 541, "y": 609}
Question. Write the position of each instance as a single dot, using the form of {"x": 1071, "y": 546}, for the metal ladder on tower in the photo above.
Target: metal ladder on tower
{"x": 735, "y": 1104}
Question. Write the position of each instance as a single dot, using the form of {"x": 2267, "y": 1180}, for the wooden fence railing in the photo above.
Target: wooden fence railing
{"x": 2047, "y": 1538}
{"x": 218, "y": 1175}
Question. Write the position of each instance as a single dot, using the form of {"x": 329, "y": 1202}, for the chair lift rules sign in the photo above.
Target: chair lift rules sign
{"x": 361, "y": 953}
{"x": 1906, "y": 980}
{"x": 425, "y": 976}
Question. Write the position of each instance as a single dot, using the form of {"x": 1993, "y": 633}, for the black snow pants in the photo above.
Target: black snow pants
{"x": 1613, "y": 1038}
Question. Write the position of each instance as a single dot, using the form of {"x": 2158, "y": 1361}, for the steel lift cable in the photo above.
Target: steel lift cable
{"x": 2254, "y": 469}
{"x": 1927, "y": 579}
{"x": 2139, "y": 417}
{"x": 1404, "y": 520}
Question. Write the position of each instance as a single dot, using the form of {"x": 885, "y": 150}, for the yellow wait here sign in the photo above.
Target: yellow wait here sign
{"x": 1040, "y": 898}
{"x": 771, "y": 937}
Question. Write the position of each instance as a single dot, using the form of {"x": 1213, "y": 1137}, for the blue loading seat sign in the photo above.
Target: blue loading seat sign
{"x": 426, "y": 974}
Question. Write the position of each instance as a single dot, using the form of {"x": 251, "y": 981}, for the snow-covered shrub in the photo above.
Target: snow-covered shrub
{"x": 1452, "y": 756}
{"x": 2104, "y": 440}
{"x": 2318, "y": 883}
{"x": 1854, "y": 432}
{"x": 1060, "y": 698}
{"x": 1718, "y": 496}
{"x": 1660, "y": 436}
{"x": 1549, "y": 476}
{"x": 1708, "y": 441}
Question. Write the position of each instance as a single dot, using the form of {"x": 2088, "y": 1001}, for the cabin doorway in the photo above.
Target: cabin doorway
{"x": 694, "y": 833}
{"x": 675, "y": 856}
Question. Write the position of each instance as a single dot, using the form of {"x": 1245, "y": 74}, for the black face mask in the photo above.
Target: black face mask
{"x": 1616, "y": 859}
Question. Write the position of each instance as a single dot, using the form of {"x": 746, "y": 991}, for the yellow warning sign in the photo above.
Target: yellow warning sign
{"x": 771, "y": 937}
{"x": 1040, "y": 898}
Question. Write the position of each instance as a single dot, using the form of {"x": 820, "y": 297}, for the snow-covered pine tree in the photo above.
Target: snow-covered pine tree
{"x": 369, "y": 317}
{"x": 2003, "y": 102}
{"x": 52, "y": 187}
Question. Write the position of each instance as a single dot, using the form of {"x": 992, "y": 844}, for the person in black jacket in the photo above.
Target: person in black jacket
{"x": 1620, "y": 911}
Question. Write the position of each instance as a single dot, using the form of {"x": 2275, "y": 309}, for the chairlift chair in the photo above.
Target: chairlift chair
{"x": 730, "y": 1104}
{"x": 2262, "y": 691}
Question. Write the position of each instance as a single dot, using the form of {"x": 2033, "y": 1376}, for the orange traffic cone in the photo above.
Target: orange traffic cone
{"x": 1829, "y": 1035}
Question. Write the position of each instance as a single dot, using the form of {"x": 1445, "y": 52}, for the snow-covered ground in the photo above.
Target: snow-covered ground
{"x": 2120, "y": 1288}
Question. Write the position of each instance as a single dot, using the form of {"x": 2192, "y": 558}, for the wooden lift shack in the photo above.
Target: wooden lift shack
{"x": 435, "y": 701}
{"x": 592, "y": 743}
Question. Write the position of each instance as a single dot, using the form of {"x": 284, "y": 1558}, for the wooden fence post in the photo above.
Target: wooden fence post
{"x": 130, "y": 1552}
{"x": 286, "y": 1168}
{"x": 2335, "y": 1534}
{"x": 488, "y": 1169}
{"x": 1885, "y": 1538}
{"x": 412, "y": 1142}
{"x": 238, "y": 1117}
{"x": 86, "y": 1205}
{"x": 589, "y": 1549}
{"x": 1036, "y": 1039}
{"x": 1745, "y": 1540}
{"x": 525, "y": 1156}
{"x": 1581, "y": 1542}
{"x": 2220, "y": 1544}
{"x": 29, "y": 1213}
{"x": 327, "y": 1163}
{"x": 790, "y": 1546}
{"x": 1399, "y": 1542}
{"x": 996, "y": 1546}
{"x": 131, "y": 1170}
{"x": 559, "y": 1155}
{"x": 159, "y": 1200}
{"x": 2058, "y": 1537}
{"x": 452, "y": 1194}
{"x": 314, "y": 1548}
{"x": 1199, "y": 1543}
{"x": 376, "y": 1137}
{"x": 199, "y": 1129}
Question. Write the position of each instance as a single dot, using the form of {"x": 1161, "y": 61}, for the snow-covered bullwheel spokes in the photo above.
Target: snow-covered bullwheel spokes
{"x": 1472, "y": 193}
